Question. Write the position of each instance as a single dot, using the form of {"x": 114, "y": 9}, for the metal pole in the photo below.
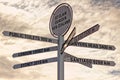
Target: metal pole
{"x": 60, "y": 59}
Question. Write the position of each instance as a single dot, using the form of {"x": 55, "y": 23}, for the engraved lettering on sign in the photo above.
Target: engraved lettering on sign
{"x": 60, "y": 20}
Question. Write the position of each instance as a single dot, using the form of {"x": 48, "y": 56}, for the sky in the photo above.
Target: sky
{"x": 33, "y": 16}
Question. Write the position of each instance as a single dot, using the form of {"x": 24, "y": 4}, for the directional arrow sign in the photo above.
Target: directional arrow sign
{"x": 71, "y": 58}
{"x": 86, "y": 33}
{"x": 97, "y": 62}
{"x": 73, "y": 43}
{"x": 92, "y": 61}
{"x": 39, "y": 38}
{"x": 27, "y": 36}
{"x": 48, "y": 49}
{"x": 93, "y": 45}
{"x": 44, "y": 61}
{"x": 67, "y": 42}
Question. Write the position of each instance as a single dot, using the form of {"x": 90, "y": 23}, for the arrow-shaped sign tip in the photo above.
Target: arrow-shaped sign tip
{"x": 16, "y": 66}
{"x": 14, "y": 55}
{"x": 5, "y": 33}
{"x": 97, "y": 26}
{"x": 113, "y": 47}
{"x": 112, "y": 63}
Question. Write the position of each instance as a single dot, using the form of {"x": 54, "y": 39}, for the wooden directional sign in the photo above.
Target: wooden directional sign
{"x": 94, "y": 45}
{"x": 70, "y": 58}
{"x": 39, "y": 38}
{"x": 86, "y": 33}
{"x": 61, "y": 19}
{"x": 67, "y": 42}
{"x": 25, "y": 53}
{"x": 27, "y": 36}
{"x": 33, "y": 63}
{"x": 92, "y": 61}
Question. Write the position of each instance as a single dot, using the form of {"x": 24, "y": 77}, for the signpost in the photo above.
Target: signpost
{"x": 44, "y": 61}
{"x": 60, "y": 59}
{"x": 86, "y": 33}
{"x": 61, "y": 19}
{"x": 48, "y": 49}
{"x": 27, "y": 36}
{"x": 39, "y": 38}
{"x": 94, "y": 45}
{"x": 60, "y": 22}
{"x": 67, "y": 42}
{"x": 71, "y": 58}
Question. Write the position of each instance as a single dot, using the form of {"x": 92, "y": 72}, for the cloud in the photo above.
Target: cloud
{"x": 11, "y": 23}
{"x": 106, "y": 4}
{"x": 6, "y": 67}
{"x": 115, "y": 72}
{"x": 7, "y": 72}
{"x": 52, "y": 2}
{"x": 31, "y": 5}
{"x": 8, "y": 23}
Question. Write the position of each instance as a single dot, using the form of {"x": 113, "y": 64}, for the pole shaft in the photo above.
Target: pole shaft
{"x": 60, "y": 59}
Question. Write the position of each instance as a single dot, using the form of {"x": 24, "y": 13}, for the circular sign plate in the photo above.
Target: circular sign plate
{"x": 61, "y": 20}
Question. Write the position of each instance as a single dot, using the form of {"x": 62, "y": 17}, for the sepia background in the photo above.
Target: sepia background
{"x": 32, "y": 17}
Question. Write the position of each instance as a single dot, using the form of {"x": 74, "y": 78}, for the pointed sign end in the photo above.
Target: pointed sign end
{"x": 5, "y": 33}
{"x": 98, "y": 26}
{"x": 112, "y": 63}
{"x": 16, "y": 66}
{"x": 14, "y": 55}
{"x": 113, "y": 48}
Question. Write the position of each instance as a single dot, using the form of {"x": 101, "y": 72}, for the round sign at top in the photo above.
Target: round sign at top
{"x": 61, "y": 20}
